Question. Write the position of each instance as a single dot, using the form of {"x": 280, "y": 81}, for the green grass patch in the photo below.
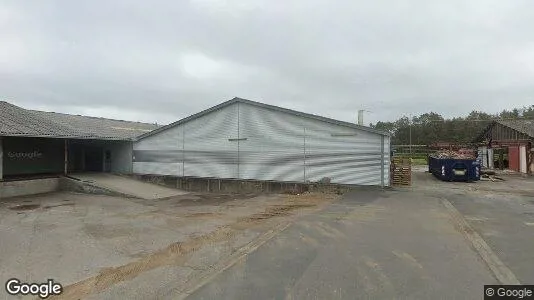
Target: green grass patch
{"x": 419, "y": 161}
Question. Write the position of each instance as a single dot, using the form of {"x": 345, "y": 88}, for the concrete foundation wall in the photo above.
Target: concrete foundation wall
{"x": 245, "y": 186}
{"x": 47, "y": 185}
{"x": 28, "y": 187}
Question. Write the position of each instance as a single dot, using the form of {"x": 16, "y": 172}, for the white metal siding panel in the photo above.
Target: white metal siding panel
{"x": 273, "y": 149}
{"x": 285, "y": 147}
{"x": 344, "y": 155}
{"x": 158, "y": 168}
{"x": 209, "y": 151}
{"x": 250, "y": 142}
{"x": 170, "y": 139}
{"x": 387, "y": 160}
{"x": 160, "y": 154}
{"x": 200, "y": 148}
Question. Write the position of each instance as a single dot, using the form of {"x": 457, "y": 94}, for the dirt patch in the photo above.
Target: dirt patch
{"x": 173, "y": 254}
{"x": 293, "y": 202}
{"x": 276, "y": 211}
{"x": 23, "y": 207}
{"x": 107, "y": 231}
{"x": 58, "y": 205}
{"x": 202, "y": 215}
{"x": 211, "y": 199}
{"x": 176, "y": 253}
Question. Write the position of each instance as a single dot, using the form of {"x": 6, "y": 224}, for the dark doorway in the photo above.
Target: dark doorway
{"x": 94, "y": 159}
{"x": 107, "y": 161}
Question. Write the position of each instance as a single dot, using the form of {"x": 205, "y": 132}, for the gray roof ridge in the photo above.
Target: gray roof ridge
{"x": 92, "y": 117}
{"x": 260, "y": 104}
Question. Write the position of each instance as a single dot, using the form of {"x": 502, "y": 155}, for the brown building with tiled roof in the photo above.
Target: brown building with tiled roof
{"x": 37, "y": 142}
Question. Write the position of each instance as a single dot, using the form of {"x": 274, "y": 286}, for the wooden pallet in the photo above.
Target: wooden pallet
{"x": 402, "y": 172}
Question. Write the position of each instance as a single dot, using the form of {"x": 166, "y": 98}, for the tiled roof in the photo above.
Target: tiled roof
{"x": 523, "y": 126}
{"x": 17, "y": 121}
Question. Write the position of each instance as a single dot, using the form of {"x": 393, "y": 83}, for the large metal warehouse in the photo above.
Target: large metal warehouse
{"x": 243, "y": 139}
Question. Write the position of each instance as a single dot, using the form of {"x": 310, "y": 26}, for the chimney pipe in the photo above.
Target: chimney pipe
{"x": 360, "y": 117}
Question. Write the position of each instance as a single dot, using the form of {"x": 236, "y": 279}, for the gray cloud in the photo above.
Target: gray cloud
{"x": 158, "y": 61}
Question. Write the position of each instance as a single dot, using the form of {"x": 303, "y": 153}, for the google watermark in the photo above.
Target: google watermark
{"x": 25, "y": 155}
{"x": 44, "y": 290}
{"x": 508, "y": 292}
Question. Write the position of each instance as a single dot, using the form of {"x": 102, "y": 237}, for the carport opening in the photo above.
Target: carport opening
{"x": 31, "y": 158}
{"x": 84, "y": 157}
{"x": 93, "y": 155}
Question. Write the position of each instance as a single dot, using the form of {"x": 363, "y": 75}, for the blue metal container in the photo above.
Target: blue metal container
{"x": 449, "y": 169}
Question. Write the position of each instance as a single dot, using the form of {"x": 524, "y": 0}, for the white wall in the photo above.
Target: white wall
{"x": 121, "y": 156}
{"x": 199, "y": 148}
{"x": 486, "y": 155}
{"x": 523, "y": 159}
{"x": 285, "y": 147}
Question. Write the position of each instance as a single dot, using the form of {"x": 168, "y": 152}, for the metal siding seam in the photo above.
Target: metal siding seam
{"x": 304, "y": 155}
{"x": 238, "y": 138}
{"x": 382, "y": 160}
{"x": 183, "y": 150}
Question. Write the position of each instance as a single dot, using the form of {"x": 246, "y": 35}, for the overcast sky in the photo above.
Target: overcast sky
{"x": 159, "y": 61}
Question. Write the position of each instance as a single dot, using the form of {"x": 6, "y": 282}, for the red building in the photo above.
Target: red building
{"x": 513, "y": 141}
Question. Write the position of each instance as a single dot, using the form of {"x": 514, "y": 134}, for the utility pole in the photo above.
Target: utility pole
{"x": 410, "y": 139}
{"x": 410, "y": 122}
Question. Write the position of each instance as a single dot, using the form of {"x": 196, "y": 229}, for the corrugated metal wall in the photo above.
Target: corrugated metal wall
{"x": 250, "y": 142}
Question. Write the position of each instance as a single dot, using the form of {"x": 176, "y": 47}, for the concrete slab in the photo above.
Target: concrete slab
{"x": 500, "y": 212}
{"x": 129, "y": 186}
{"x": 369, "y": 245}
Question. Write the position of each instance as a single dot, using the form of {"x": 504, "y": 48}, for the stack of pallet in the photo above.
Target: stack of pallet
{"x": 401, "y": 171}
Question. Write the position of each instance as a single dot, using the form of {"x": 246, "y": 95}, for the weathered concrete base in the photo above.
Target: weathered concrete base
{"x": 196, "y": 184}
{"x": 28, "y": 187}
{"x": 47, "y": 185}
{"x": 128, "y": 186}
{"x": 75, "y": 185}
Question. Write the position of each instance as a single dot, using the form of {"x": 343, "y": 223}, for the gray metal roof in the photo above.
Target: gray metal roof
{"x": 263, "y": 105}
{"x": 17, "y": 121}
{"x": 523, "y": 126}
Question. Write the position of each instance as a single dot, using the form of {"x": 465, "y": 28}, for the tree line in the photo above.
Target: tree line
{"x": 431, "y": 127}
